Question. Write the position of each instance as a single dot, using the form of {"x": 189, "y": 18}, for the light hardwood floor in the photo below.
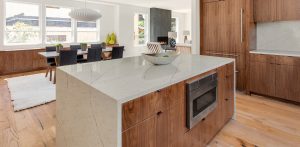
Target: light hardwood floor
{"x": 259, "y": 122}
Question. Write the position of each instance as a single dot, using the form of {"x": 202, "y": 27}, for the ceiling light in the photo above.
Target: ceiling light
{"x": 84, "y": 14}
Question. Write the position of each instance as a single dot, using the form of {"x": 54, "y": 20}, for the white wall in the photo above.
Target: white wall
{"x": 126, "y": 28}
{"x": 182, "y": 24}
{"x": 195, "y": 26}
{"x": 106, "y": 23}
{"x": 279, "y": 36}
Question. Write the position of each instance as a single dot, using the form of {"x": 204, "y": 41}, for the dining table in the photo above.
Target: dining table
{"x": 54, "y": 54}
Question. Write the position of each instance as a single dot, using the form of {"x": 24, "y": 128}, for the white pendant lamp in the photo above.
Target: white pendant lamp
{"x": 84, "y": 14}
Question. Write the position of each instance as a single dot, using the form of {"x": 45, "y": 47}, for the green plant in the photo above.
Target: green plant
{"x": 83, "y": 44}
{"x": 59, "y": 45}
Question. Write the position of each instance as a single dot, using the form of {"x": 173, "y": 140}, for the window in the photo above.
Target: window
{"x": 140, "y": 29}
{"x": 174, "y": 25}
{"x": 58, "y": 25}
{"x": 87, "y": 31}
{"x": 22, "y": 24}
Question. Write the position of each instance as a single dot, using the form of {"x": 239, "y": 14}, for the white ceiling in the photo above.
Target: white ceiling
{"x": 176, "y": 5}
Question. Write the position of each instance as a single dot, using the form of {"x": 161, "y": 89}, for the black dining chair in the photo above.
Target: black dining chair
{"x": 117, "y": 52}
{"x": 67, "y": 57}
{"x": 50, "y": 61}
{"x": 96, "y": 46}
{"x": 94, "y": 54}
{"x": 80, "y": 58}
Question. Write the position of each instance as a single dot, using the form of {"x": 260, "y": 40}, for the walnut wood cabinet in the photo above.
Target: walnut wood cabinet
{"x": 276, "y": 76}
{"x": 276, "y": 10}
{"x": 288, "y": 78}
{"x": 159, "y": 118}
{"x": 265, "y": 10}
{"x": 223, "y": 32}
{"x": 21, "y": 61}
{"x": 262, "y": 77}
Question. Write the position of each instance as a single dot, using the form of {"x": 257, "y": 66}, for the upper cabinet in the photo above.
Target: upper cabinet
{"x": 265, "y": 10}
{"x": 288, "y": 10}
{"x": 276, "y": 10}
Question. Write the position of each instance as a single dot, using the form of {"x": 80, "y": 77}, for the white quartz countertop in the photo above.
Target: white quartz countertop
{"x": 276, "y": 52}
{"x": 129, "y": 78}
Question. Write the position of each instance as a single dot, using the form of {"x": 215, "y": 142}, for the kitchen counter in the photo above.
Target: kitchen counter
{"x": 90, "y": 96}
{"x": 129, "y": 78}
{"x": 278, "y": 53}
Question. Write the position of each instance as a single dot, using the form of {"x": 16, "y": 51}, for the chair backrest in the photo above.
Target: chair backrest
{"x": 50, "y": 48}
{"x": 96, "y": 46}
{"x": 154, "y": 47}
{"x": 75, "y": 47}
{"x": 117, "y": 52}
{"x": 94, "y": 54}
{"x": 67, "y": 57}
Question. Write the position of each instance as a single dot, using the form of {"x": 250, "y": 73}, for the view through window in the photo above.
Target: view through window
{"x": 22, "y": 23}
{"x": 87, "y": 31}
{"x": 58, "y": 25}
{"x": 140, "y": 29}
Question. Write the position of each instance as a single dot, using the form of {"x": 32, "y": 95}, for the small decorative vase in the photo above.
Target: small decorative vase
{"x": 83, "y": 47}
{"x": 58, "y": 48}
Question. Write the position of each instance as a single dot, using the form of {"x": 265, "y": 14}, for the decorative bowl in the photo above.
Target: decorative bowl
{"x": 161, "y": 58}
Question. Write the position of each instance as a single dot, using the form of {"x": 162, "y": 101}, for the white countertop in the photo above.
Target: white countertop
{"x": 129, "y": 78}
{"x": 276, "y": 52}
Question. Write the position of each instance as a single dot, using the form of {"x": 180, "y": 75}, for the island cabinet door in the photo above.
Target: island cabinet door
{"x": 155, "y": 120}
{"x": 225, "y": 94}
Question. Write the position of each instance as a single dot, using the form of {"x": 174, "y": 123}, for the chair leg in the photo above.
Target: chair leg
{"x": 54, "y": 81}
{"x": 47, "y": 72}
{"x": 50, "y": 74}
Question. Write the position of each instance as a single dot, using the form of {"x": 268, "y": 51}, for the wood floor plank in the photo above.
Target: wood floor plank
{"x": 260, "y": 122}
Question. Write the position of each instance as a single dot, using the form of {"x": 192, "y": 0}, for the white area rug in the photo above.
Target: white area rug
{"x": 30, "y": 91}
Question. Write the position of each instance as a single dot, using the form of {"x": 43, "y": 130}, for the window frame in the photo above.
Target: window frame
{"x": 97, "y": 31}
{"x": 4, "y": 23}
{"x": 42, "y": 26}
{"x": 146, "y": 28}
{"x": 177, "y": 27}
{"x": 73, "y": 25}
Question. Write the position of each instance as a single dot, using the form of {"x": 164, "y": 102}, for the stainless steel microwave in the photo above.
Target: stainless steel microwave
{"x": 201, "y": 97}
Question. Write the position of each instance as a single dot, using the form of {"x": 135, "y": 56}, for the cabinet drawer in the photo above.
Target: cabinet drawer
{"x": 284, "y": 60}
{"x": 140, "y": 109}
{"x": 262, "y": 58}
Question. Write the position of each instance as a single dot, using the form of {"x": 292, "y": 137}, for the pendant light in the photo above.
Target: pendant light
{"x": 85, "y": 14}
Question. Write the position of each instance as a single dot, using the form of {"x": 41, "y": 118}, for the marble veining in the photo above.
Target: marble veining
{"x": 277, "y": 52}
{"x": 129, "y": 78}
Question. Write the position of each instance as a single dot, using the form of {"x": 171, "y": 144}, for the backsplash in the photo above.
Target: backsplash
{"x": 283, "y": 35}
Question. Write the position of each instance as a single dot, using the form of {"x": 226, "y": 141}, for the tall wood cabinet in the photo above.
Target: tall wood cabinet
{"x": 276, "y": 10}
{"x": 223, "y": 32}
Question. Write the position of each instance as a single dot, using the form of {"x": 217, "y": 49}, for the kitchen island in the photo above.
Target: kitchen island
{"x": 132, "y": 103}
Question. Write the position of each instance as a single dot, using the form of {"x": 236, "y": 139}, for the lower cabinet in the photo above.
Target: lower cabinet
{"x": 21, "y": 61}
{"x": 262, "y": 78}
{"x": 276, "y": 76}
{"x": 159, "y": 119}
{"x": 288, "y": 82}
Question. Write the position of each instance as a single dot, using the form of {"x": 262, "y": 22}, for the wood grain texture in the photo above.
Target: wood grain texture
{"x": 262, "y": 78}
{"x": 21, "y": 61}
{"x": 221, "y": 34}
{"x": 29, "y": 128}
{"x": 287, "y": 82}
{"x": 276, "y": 76}
{"x": 265, "y": 10}
{"x": 288, "y": 10}
{"x": 267, "y": 122}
